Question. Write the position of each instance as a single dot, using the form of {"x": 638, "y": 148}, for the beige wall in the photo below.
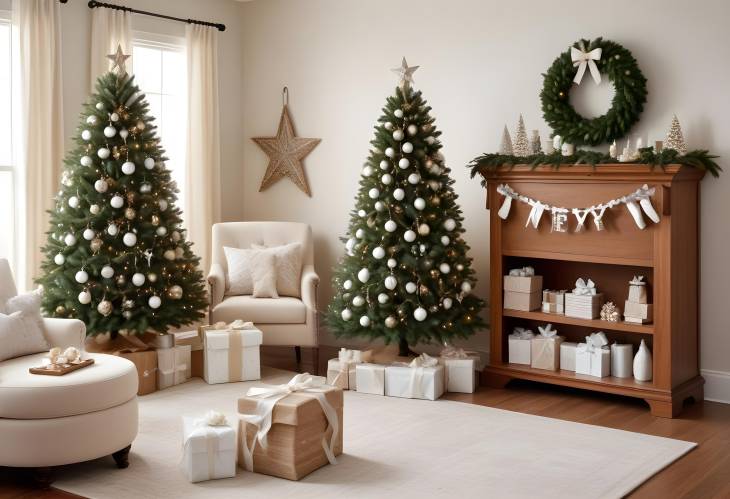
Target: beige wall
{"x": 480, "y": 67}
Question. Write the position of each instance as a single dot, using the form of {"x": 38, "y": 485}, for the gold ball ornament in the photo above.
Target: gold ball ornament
{"x": 152, "y": 277}
{"x": 468, "y": 319}
{"x": 60, "y": 310}
{"x": 423, "y": 290}
{"x": 121, "y": 280}
{"x": 141, "y": 125}
{"x": 176, "y": 236}
{"x": 434, "y": 273}
{"x": 128, "y": 304}
{"x": 131, "y": 196}
{"x": 96, "y": 244}
{"x": 169, "y": 255}
{"x": 129, "y": 213}
{"x": 104, "y": 308}
{"x": 424, "y": 229}
{"x": 435, "y": 200}
{"x": 175, "y": 292}
{"x": 156, "y": 221}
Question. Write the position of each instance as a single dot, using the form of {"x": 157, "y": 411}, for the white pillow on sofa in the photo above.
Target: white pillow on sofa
{"x": 239, "y": 278}
{"x": 21, "y": 328}
{"x": 264, "y": 275}
{"x": 288, "y": 267}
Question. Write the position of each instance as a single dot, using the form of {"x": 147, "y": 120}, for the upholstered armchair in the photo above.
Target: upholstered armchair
{"x": 284, "y": 321}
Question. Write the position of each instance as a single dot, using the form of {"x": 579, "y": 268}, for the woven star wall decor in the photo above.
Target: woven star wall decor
{"x": 286, "y": 152}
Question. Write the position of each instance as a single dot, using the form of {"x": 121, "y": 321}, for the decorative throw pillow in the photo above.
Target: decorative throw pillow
{"x": 264, "y": 275}
{"x": 288, "y": 267}
{"x": 21, "y": 329}
{"x": 239, "y": 280}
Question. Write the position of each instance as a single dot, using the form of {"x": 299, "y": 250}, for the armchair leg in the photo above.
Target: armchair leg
{"x": 43, "y": 477}
{"x": 298, "y": 353}
{"x": 315, "y": 360}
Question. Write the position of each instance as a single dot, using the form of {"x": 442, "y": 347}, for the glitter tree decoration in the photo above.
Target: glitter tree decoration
{"x": 675, "y": 139}
{"x": 535, "y": 145}
{"x": 521, "y": 146}
{"x": 506, "y": 147}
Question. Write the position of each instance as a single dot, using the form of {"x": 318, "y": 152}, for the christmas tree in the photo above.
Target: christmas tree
{"x": 535, "y": 143}
{"x": 675, "y": 138}
{"x": 521, "y": 144}
{"x": 116, "y": 255}
{"x": 405, "y": 277}
{"x": 505, "y": 148}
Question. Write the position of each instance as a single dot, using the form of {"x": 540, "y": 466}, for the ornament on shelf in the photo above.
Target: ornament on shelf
{"x": 521, "y": 146}
{"x": 675, "y": 138}
{"x": 505, "y": 148}
{"x": 610, "y": 313}
{"x": 535, "y": 143}
{"x": 643, "y": 365}
{"x": 628, "y": 154}
{"x": 567, "y": 149}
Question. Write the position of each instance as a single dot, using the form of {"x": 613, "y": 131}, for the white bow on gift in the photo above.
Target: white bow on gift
{"x": 204, "y": 428}
{"x": 584, "y": 288}
{"x": 596, "y": 341}
{"x": 521, "y": 333}
{"x": 347, "y": 355}
{"x": 423, "y": 360}
{"x": 523, "y": 272}
{"x": 581, "y": 59}
{"x": 268, "y": 397}
{"x": 547, "y": 331}
{"x": 638, "y": 280}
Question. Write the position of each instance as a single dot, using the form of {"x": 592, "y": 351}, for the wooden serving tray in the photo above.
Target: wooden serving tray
{"x": 61, "y": 370}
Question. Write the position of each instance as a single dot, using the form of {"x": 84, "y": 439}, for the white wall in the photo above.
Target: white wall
{"x": 480, "y": 67}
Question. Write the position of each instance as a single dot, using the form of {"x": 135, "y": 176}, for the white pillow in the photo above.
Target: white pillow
{"x": 264, "y": 275}
{"x": 288, "y": 268}
{"x": 239, "y": 280}
{"x": 21, "y": 329}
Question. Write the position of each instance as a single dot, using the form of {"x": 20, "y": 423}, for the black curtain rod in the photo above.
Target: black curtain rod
{"x": 93, "y": 4}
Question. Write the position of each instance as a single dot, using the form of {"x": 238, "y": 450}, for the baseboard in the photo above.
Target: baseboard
{"x": 717, "y": 385}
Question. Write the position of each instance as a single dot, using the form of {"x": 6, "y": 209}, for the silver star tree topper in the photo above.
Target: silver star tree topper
{"x": 119, "y": 59}
{"x": 405, "y": 74}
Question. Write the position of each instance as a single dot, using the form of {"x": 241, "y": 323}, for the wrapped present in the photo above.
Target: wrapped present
{"x": 173, "y": 366}
{"x": 523, "y": 280}
{"x": 192, "y": 338}
{"x": 183, "y": 365}
{"x": 146, "y": 363}
{"x": 515, "y": 300}
{"x": 423, "y": 378}
{"x": 519, "y": 347}
{"x": 370, "y": 378}
{"x": 637, "y": 290}
{"x": 584, "y": 302}
{"x": 341, "y": 371}
{"x": 553, "y": 302}
{"x": 567, "y": 355}
{"x": 640, "y": 313}
{"x": 593, "y": 357}
{"x": 292, "y": 429}
{"x": 461, "y": 369}
{"x": 231, "y": 352}
{"x": 545, "y": 349}
{"x": 209, "y": 448}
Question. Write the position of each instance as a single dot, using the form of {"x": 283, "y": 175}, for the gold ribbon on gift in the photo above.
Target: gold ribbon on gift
{"x": 342, "y": 379}
{"x": 235, "y": 354}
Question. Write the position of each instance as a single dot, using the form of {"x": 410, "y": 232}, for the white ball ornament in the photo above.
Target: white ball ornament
{"x": 379, "y": 206}
{"x": 117, "y": 201}
{"x": 411, "y": 287}
{"x": 364, "y": 275}
{"x": 347, "y": 284}
{"x": 145, "y": 188}
{"x": 388, "y": 125}
{"x": 169, "y": 255}
{"x": 398, "y": 134}
{"x": 346, "y": 314}
{"x": 162, "y": 204}
{"x": 179, "y": 252}
{"x": 374, "y": 193}
{"x": 378, "y": 252}
{"x": 430, "y": 140}
{"x": 359, "y": 233}
{"x": 420, "y": 314}
{"x": 81, "y": 276}
{"x": 364, "y": 321}
{"x": 412, "y": 129}
{"x": 103, "y": 153}
{"x": 91, "y": 120}
{"x": 176, "y": 236}
{"x": 107, "y": 272}
{"x": 390, "y": 282}
{"x": 94, "y": 209}
{"x": 73, "y": 202}
{"x": 86, "y": 161}
{"x": 129, "y": 239}
{"x": 100, "y": 106}
{"x": 444, "y": 268}
{"x": 419, "y": 203}
{"x": 409, "y": 236}
{"x": 101, "y": 185}
{"x": 449, "y": 224}
{"x": 361, "y": 213}
{"x": 407, "y": 147}
{"x": 390, "y": 321}
{"x": 112, "y": 229}
{"x": 138, "y": 279}
{"x": 86, "y": 135}
{"x": 367, "y": 171}
{"x": 154, "y": 301}
{"x": 384, "y": 165}
{"x": 128, "y": 168}
{"x": 149, "y": 163}
{"x": 414, "y": 178}
{"x": 466, "y": 287}
{"x": 70, "y": 239}
{"x": 398, "y": 113}
{"x": 386, "y": 179}
{"x": 399, "y": 194}
{"x": 161, "y": 231}
{"x": 114, "y": 117}
{"x": 124, "y": 133}
{"x": 109, "y": 132}
{"x": 358, "y": 301}
{"x": 89, "y": 234}
{"x": 59, "y": 259}
{"x": 84, "y": 298}
{"x": 392, "y": 263}
{"x": 390, "y": 152}
{"x": 390, "y": 226}
{"x": 350, "y": 245}
{"x": 383, "y": 298}
{"x": 403, "y": 163}
{"x": 445, "y": 240}
{"x": 447, "y": 303}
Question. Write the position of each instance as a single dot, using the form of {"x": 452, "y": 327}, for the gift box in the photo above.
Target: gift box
{"x": 192, "y": 338}
{"x": 370, "y": 378}
{"x": 584, "y": 302}
{"x": 593, "y": 357}
{"x": 545, "y": 349}
{"x": 209, "y": 448}
{"x": 515, "y": 300}
{"x": 423, "y": 378}
{"x": 231, "y": 355}
{"x": 305, "y": 431}
{"x": 639, "y": 313}
{"x": 146, "y": 363}
{"x": 518, "y": 345}
{"x": 341, "y": 371}
{"x": 637, "y": 290}
{"x": 461, "y": 369}
{"x": 553, "y": 302}
{"x": 567, "y": 355}
{"x": 173, "y": 366}
{"x": 523, "y": 284}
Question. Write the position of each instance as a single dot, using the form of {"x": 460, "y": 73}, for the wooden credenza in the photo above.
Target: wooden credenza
{"x": 666, "y": 253}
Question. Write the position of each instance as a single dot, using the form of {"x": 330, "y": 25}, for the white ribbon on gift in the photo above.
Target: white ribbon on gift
{"x": 371, "y": 377}
{"x": 581, "y": 58}
{"x": 547, "y": 331}
{"x": 638, "y": 280}
{"x": 204, "y": 427}
{"x": 584, "y": 288}
{"x": 270, "y": 395}
{"x": 520, "y": 333}
{"x": 596, "y": 341}
{"x": 418, "y": 367}
{"x": 523, "y": 272}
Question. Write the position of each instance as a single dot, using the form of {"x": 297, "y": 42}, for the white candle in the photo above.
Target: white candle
{"x": 557, "y": 142}
{"x": 622, "y": 360}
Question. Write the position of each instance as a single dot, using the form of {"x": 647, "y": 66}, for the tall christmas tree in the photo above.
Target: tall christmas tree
{"x": 675, "y": 138}
{"x": 521, "y": 144}
{"x": 406, "y": 276}
{"x": 116, "y": 255}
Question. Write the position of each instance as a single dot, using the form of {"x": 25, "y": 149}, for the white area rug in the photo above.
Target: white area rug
{"x": 393, "y": 448}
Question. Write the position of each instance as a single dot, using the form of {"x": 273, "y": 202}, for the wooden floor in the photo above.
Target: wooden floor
{"x": 703, "y": 473}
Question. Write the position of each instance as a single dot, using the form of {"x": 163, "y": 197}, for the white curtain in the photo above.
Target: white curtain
{"x": 37, "y": 32}
{"x": 202, "y": 189}
{"x": 109, "y": 28}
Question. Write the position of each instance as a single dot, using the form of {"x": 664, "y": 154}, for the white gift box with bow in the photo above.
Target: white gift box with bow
{"x": 209, "y": 448}
{"x": 637, "y": 290}
{"x": 519, "y": 347}
{"x": 461, "y": 369}
{"x": 567, "y": 355}
{"x": 545, "y": 349}
{"x": 341, "y": 371}
{"x": 585, "y": 301}
{"x": 594, "y": 356}
{"x": 423, "y": 378}
{"x": 370, "y": 378}
{"x": 231, "y": 354}
{"x": 173, "y": 366}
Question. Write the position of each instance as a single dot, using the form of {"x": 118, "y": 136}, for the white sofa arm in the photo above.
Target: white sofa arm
{"x": 217, "y": 284}
{"x": 65, "y": 332}
{"x": 310, "y": 280}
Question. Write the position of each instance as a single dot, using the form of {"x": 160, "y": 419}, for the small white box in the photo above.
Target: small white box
{"x": 596, "y": 363}
{"x": 183, "y": 367}
{"x": 553, "y": 302}
{"x": 173, "y": 366}
{"x": 370, "y": 378}
{"x": 341, "y": 373}
{"x": 519, "y": 350}
{"x": 567, "y": 355}
{"x": 583, "y": 306}
{"x": 232, "y": 355}
{"x": 637, "y": 293}
{"x": 460, "y": 375}
{"x": 415, "y": 383}
{"x": 209, "y": 452}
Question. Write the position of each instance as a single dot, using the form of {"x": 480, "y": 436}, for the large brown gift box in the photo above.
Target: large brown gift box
{"x": 298, "y": 425}
{"x": 146, "y": 363}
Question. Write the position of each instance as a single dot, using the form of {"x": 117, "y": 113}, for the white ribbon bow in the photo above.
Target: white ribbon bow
{"x": 521, "y": 333}
{"x": 584, "y": 288}
{"x": 547, "y": 331}
{"x": 204, "y": 428}
{"x": 638, "y": 280}
{"x": 270, "y": 395}
{"x": 581, "y": 59}
{"x": 423, "y": 360}
{"x": 523, "y": 272}
{"x": 418, "y": 366}
{"x": 596, "y": 341}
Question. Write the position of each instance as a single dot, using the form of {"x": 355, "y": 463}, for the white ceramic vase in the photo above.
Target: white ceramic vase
{"x": 643, "y": 363}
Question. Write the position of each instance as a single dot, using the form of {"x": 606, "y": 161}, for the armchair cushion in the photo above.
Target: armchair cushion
{"x": 283, "y": 310}
{"x": 65, "y": 332}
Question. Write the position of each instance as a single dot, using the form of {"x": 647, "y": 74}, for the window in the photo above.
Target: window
{"x": 8, "y": 169}
{"x": 159, "y": 65}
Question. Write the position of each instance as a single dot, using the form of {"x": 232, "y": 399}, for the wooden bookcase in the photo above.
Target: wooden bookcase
{"x": 667, "y": 253}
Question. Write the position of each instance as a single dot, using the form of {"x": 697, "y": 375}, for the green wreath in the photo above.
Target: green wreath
{"x": 628, "y": 101}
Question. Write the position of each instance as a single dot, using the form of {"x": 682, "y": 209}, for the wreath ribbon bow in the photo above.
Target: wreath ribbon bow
{"x": 581, "y": 58}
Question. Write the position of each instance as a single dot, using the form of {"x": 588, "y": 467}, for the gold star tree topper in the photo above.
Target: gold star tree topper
{"x": 120, "y": 60}
{"x": 405, "y": 74}
{"x": 286, "y": 152}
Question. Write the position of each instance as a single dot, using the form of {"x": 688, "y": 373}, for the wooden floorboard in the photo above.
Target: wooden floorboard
{"x": 703, "y": 473}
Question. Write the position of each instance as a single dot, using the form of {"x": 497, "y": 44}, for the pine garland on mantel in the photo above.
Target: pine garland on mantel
{"x": 700, "y": 159}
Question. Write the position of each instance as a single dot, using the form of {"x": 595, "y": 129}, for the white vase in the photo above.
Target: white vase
{"x": 643, "y": 363}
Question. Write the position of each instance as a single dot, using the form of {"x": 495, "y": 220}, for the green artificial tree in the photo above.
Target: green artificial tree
{"x": 116, "y": 256}
{"x": 406, "y": 276}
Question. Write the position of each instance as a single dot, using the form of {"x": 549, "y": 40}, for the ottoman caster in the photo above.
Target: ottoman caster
{"x": 121, "y": 457}
{"x": 43, "y": 477}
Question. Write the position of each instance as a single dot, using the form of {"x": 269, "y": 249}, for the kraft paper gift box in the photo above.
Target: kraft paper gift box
{"x": 593, "y": 357}
{"x": 584, "y": 302}
{"x": 567, "y": 355}
{"x": 553, "y": 302}
{"x": 209, "y": 450}
{"x": 519, "y": 346}
{"x": 637, "y": 312}
{"x": 195, "y": 340}
{"x": 173, "y": 366}
{"x": 370, "y": 378}
{"x": 146, "y": 363}
{"x": 545, "y": 349}
{"x": 637, "y": 290}
{"x": 423, "y": 378}
{"x": 516, "y": 300}
{"x": 231, "y": 355}
{"x": 305, "y": 432}
{"x": 341, "y": 371}
{"x": 523, "y": 280}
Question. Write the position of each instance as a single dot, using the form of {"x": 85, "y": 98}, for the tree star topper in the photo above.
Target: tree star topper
{"x": 119, "y": 59}
{"x": 405, "y": 73}
{"x": 286, "y": 152}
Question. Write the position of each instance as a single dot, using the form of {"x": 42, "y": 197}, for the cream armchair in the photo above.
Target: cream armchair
{"x": 284, "y": 321}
